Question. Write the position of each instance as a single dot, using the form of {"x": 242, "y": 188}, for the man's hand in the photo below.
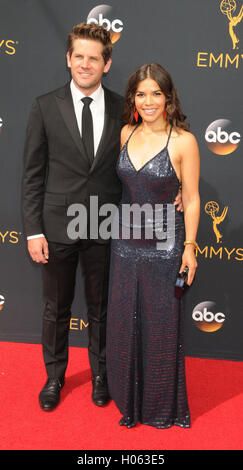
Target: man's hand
{"x": 178, "y": 202}
{"x": 38, "y": 250}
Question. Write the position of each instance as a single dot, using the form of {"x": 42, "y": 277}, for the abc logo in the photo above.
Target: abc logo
{"x": 221, "y": 138}
{"x": 104, "y": 16}
{"x": 206, "y": 317}
{"x": 2, "y": 300}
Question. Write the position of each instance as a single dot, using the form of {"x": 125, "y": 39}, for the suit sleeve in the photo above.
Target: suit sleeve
{"x": 34, "y": 173}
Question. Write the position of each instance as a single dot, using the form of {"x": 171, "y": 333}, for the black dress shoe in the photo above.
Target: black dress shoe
{"x": 100, "y": 393}
{"x": 50, "y": 394}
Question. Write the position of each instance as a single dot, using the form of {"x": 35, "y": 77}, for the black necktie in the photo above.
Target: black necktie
{"x": 87, "y": 129}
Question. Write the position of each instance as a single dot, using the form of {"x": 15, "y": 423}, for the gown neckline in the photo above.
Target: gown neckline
{"x": 152, "y": 158}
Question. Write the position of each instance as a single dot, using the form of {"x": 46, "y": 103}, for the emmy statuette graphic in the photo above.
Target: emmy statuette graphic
{"x": 227, "y": 7}
{"x": 212, "y": 208}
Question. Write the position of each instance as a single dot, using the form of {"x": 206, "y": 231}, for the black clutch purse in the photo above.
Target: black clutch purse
{"x": 181, "y": 283}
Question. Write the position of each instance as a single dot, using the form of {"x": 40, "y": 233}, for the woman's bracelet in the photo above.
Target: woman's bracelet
{"x": 189, "y": 242}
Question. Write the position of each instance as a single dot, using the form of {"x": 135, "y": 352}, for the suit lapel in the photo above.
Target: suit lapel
{"x": 109, "y": 123}
{"x": 65, "y": 105}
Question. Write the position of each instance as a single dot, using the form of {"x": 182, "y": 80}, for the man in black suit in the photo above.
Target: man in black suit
{"x": 72, "y": 144}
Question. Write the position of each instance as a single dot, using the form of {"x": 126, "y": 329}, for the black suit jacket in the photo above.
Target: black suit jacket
{"x": 57, "y": 171}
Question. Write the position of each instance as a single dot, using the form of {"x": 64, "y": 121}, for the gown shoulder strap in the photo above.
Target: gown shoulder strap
{"x": 168, "y": 137}
{"x": 132, "y": 133}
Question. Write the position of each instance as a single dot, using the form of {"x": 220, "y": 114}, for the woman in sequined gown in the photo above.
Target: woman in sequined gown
{"x": 145, "y": 353}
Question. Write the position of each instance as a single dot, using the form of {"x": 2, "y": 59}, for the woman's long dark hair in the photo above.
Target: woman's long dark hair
{"x": 156, "y": 72}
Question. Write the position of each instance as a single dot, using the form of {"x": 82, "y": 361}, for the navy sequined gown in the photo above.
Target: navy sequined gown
{"x": 145, "y": 354}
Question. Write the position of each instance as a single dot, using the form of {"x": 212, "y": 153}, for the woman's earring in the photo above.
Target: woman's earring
{"x": 135, "y": 115}
{"x": 164, "y": 114}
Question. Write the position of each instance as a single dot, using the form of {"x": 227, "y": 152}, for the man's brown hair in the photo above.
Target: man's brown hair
{"x": 91, "y": 31}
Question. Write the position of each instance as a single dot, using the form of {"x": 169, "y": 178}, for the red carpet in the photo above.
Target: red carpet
{"x": 215, "y": 390}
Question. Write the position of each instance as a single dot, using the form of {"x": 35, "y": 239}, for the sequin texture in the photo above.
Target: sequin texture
{"x": 145, "y": 352}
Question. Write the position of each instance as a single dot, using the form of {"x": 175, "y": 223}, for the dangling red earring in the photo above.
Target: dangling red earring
{"x": 164, "y": 114}
{"x": 135, "y": 115}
